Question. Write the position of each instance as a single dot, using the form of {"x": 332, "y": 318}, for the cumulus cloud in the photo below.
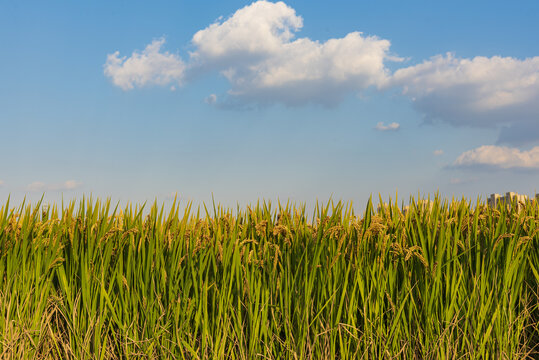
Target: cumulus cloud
{"x": 258, "y": 52}
{"x": 390, "y": 127}
{"x": 484, "y": 92}
{"x": 255, "y": 32}
{"x": 152, "y": 66}
{"x": 65, "y": 186}
{"x": 255, "y": 50}
{"x": 499, "y": 157}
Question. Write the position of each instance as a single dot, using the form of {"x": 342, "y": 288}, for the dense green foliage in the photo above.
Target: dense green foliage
{"x": 444, "y": 281}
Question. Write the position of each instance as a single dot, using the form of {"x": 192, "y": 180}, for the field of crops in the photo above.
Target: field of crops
{"x": 446, "y": 281}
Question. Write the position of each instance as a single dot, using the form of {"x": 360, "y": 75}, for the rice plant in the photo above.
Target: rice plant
{"x": 450, "y": 280}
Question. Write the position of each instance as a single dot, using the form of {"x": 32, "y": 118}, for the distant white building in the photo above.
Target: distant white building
{"x": 508, "y": 199}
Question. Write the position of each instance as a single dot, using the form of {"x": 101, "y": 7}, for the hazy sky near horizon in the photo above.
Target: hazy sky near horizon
{"x": 299, "y": 100}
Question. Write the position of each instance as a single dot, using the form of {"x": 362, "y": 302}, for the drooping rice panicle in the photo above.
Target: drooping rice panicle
{"x": 438, "y": 280}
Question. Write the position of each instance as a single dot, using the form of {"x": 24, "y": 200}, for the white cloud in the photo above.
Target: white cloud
{"x": 211, "y": 99}
{"x": 65, "y": 186}
{"x": 438, "y": 152}
{"x": 499, "y": 157}
{"x": 257, "y": 31}
{"x": 489, "y": 92}
{"x": 2, "y": 183}
{"x": 149, "y": 67}
{"x": 390, "y": 127}
{"x": 256, "y": 52}
{"x": 36, "y": 186}
{"x": 69, "y": 185}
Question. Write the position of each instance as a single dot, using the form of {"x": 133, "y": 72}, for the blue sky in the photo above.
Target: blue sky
{"x": 302, "y": 100}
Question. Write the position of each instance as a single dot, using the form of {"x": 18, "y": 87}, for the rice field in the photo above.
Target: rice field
{"x": 88, "y": 280}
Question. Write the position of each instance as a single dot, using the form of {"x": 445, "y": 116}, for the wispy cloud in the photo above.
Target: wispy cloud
{"x": 69, "y": 185}
{"x": 2, "y": 183}
{"x": 65, "y": 186}
{"x": 462, "y": 181}
{"x": 211, "y": 99}
{"x": 36, "y": 186}
{"x": 501, "y": 157}
{"x": 149, "y": 67}
{"x": 390, "y": 127}
{"x": 438, "y": 152}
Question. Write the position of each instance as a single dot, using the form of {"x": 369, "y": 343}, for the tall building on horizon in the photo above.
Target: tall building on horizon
{"x": 508, "y": 199}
